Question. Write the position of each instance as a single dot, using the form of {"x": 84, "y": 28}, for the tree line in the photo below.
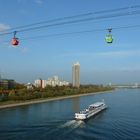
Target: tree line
{"x": 22, "y": 94}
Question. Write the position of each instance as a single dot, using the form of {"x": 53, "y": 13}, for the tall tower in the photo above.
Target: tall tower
{"x": 76, "y": 75}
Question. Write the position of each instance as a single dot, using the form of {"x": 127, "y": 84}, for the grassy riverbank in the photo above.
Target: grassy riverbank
{"x": 25, "y": 97}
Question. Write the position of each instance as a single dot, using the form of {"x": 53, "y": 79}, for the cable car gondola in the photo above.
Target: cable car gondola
{"x": 15, "y": 40}
{"x": 109, "y": 38}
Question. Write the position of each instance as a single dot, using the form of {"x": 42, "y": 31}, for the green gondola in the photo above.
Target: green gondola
{"x": 109, "y": 38}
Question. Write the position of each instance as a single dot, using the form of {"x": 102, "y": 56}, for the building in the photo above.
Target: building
{"x": 11, "y": 84}
{"x": 7, "y": 84}
{"x": 76, "y": 75}
{"x": 4, "y": 84}
{"x": 44, "y": 83}
{"x": 39, "y": 83}
{"x": 54, "y": 81}
{"x": 29, "y": 86}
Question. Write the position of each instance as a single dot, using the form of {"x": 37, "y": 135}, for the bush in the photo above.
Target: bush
{"x": 3, "y": 97}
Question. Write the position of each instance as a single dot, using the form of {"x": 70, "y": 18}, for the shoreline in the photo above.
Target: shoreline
{"x": 36, "y": 101}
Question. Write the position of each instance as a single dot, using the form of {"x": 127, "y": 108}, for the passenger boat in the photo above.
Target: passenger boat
{"x": 91, "y": 110}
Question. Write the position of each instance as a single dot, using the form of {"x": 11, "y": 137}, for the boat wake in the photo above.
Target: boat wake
{"x": 69, "y": 123}
{"x": 72, "y": 124}
{"x": 78, "y": 124}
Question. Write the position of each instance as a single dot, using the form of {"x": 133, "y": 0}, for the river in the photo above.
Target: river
{"x": 55, "y": 120}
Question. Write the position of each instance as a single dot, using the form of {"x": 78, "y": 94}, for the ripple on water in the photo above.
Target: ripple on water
{"x": 119, "y": 121}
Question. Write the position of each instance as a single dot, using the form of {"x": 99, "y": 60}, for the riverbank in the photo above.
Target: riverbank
{"x": 9, "y": 104}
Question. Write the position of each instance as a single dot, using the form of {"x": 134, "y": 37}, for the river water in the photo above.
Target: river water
{"x": 55, "y": 120}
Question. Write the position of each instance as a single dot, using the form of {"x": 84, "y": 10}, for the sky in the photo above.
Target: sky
{"x": 100, "y": 63}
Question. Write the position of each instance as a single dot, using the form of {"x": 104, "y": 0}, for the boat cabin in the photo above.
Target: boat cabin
{"x": 98, "y": 104}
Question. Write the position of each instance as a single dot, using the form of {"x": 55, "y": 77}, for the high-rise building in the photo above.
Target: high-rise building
{"x": 76, "y": 75}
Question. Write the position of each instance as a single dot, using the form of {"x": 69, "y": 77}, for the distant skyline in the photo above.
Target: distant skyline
{"x": 54, "y": 55}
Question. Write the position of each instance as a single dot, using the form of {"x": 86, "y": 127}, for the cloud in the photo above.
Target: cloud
{"x": 126, "y": 53}
{"x": 111, "y": 54}
{"x": 4, "y": 27}
{"x": 26, "y": 1}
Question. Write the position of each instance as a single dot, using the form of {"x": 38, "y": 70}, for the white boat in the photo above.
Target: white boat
{"x": 91, "y": 110}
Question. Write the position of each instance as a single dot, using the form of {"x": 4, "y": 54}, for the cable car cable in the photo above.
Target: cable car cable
{"x": 78, "y": 32}
{"x": 75, "y": 21}
{"x": 76, "y": 16}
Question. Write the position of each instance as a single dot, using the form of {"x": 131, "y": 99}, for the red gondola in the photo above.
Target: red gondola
{"x": 15, "y": 40}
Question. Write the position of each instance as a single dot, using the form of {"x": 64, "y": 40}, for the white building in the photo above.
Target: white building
{"x": 54, "y": 81}
{"x": 37, "y": 83}
{"x": 44, "y": 83}
{"x": 76, "y": 75}
{"x": 40, "y": 83}
{"x": 29, "y": 86}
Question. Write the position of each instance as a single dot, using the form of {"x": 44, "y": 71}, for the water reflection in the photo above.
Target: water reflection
{"x": 76, "y": 104}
